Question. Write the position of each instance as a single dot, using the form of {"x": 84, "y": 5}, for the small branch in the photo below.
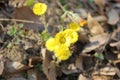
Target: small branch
{"x": 19, "y": 20}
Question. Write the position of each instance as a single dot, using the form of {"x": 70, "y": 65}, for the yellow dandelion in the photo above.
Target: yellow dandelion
{"x": 74, "y": 26}
{"x": 62, "y": 52}
{"x": 61, "y": 39}
{"x": 71, "y": 35}
{"x": 51, "y": 44}
{"x": 39, "y": 8}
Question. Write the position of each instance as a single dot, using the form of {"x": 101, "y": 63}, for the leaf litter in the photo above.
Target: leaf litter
{"x": 95, "y": 55}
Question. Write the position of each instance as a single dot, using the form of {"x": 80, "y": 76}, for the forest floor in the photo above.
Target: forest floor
{"x": 23, "y": 35}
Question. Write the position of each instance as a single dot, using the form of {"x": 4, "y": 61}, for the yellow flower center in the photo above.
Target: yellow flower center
{"x": 62, "y": 40}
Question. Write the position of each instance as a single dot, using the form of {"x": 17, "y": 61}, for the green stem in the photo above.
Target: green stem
{"x": 65, "y": 11}
{"x": 44, "y": 22}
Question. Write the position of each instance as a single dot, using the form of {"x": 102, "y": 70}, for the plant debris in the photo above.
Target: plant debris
{"x": 59, "y": 39}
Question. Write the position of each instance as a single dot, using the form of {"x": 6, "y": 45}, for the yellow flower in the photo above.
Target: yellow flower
{"x": 51, "y": 44}
{"x": 39, "y": 8}
{"x": 62, "y": 52}
{"x": 74, "y": 26}
{"x": 71, "y": 35}
{"x": 61, "y": 39}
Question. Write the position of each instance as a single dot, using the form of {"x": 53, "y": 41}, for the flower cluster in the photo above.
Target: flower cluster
{"x": 39, "y": 8}
{"x": 61, "y": 42}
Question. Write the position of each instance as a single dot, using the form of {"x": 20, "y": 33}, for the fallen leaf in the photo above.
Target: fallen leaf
{"x": 84, "y": 62}
{"x": 95, "y": 42}
{"x": 113, "y": 17}
{"x": 68, "y": 72}
{"x": 50, "y": 70}
{"x": 79, "y": 62}
{"x": 17, "y": 3}
{"x": 117, "y": 5}
{"x": 49, "y": 66}
{"x": 118, "y": 56}
{"x": 30, "y": 63}
{"x": 115, "y": 44}
{"x": 101, "y": 77}
{"x": 1, "y": 64}
{"x": 108, "y": 70}
{"x": 118, "y": 71}
{"x": 94, "y": 27}
{"x": 13, "y": 66}
{"x": 69, "y": 69}
{"x": 100, "y": 18}
{"x": 15, "y": 54}
{"x": 100, "y": 3}
{"x": 82, "y": 12}
{"x": 32, "y": 74}
{"x": 116, "y": 61}
{"x": 32, "y": 21}
{"x": 81, "y": 77}
{"x": 116, "y": 34}
{"x": 83, "y": 37}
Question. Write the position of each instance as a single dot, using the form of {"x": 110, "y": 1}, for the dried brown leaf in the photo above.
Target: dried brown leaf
{"x": 32, "y": 74}
{"x": 116, "y": 34}
{"x": 99, "y": 77}
{"x": 94, "y": 27}
{"x": 100, "y": 3}
{"x": 50, "y": 71}
{"x": 69, "y": 69}
{"x": 17, "y": 3}
{"x": 113, "y": 17}
{"x": 49, "y": 66}
{"x": 81, "y": 77}
{"x": 79, "y": 62}
{"x": 84, "y": 62}
{"x": 118, "y": 56}
{"x": 115, "y": 44}
{"x": 1, "y": 64}
{"x": 68, "y": 72}
{"x": 25, "y": 13}
{"x": 108, "y": 70}
{"x": 83, "y": 37}
{"x": 13, "y": 66}
{"x": 95, "y": 42}
{"x": 30, "y": 63}
{"x": 100, "y": 18}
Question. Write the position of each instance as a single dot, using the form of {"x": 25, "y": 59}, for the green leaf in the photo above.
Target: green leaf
{"x": 9, "y": 45}
{"x": 29, "y": 2}
{"x": 63, "y": 2}
{"x": 20, "y": 25}
{"x": 99, "y": 55}
{"x": 39, "y": 66}
{"x": 12, "y": 31}
{"x": 25, "y": 75}
{"x": 16, "y": 40}
{"x": 45, "y": 36}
